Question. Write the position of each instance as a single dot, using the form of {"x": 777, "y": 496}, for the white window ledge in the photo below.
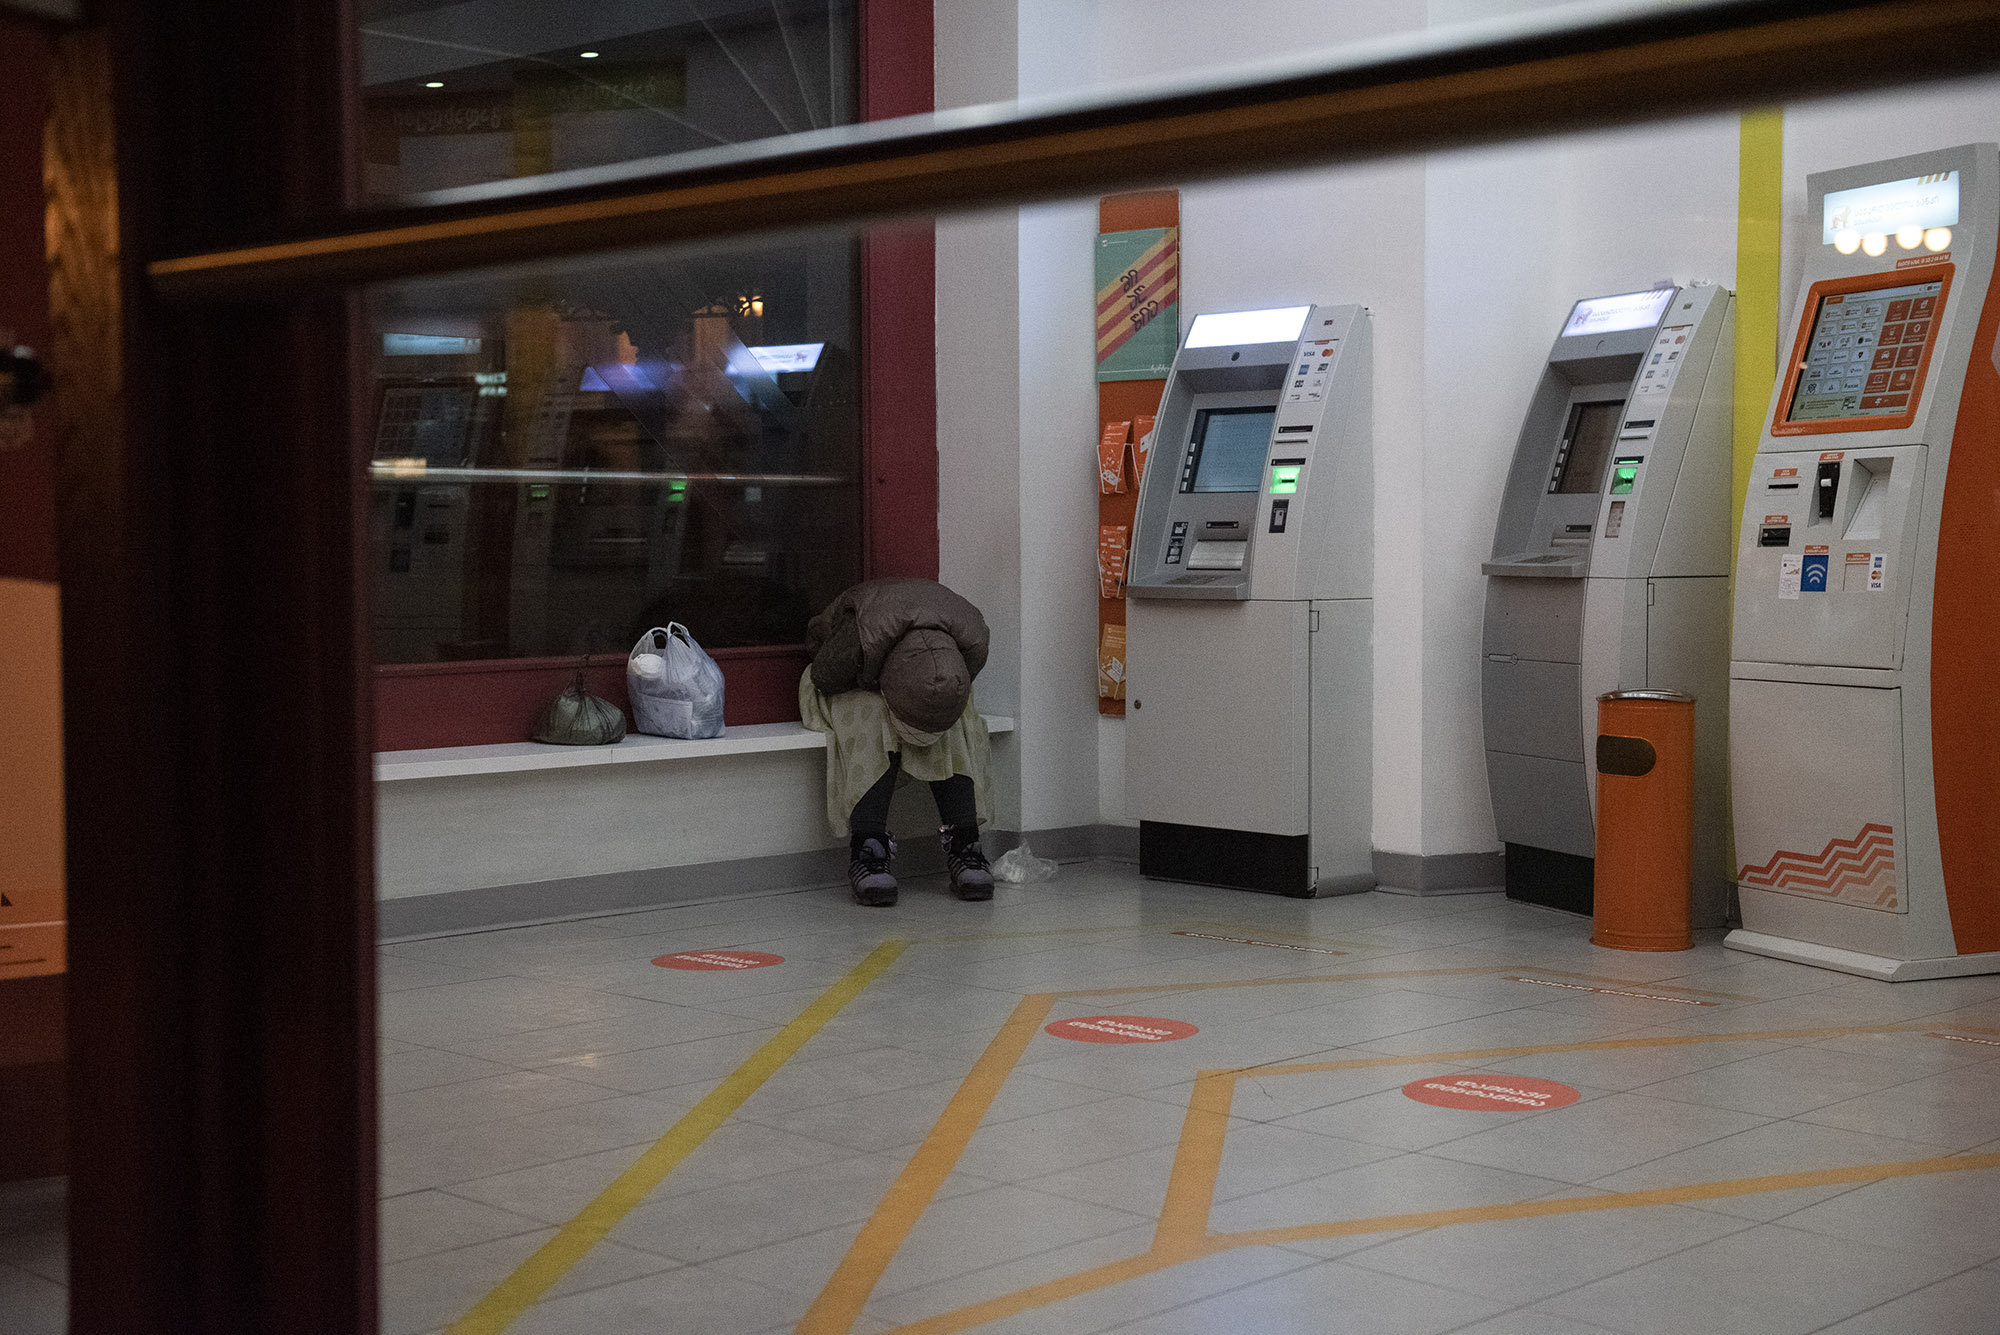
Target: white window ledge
{"x": 512, "y": 757}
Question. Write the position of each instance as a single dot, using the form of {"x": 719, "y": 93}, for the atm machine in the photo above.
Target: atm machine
{"x": 1610, "y": 571}
{"x": 1250, "y": 621}
{"x": 1866, "y": 747}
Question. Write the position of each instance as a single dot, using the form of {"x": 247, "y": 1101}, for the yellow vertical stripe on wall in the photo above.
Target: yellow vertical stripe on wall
{"x": 1759, "y": 231}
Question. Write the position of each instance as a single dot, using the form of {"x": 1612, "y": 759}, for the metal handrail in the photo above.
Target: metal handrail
{"x": 1525, "y": 75}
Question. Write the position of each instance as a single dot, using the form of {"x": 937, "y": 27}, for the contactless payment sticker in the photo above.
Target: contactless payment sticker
{"x": 1878, "y": 569}
{"x": 1813, "y": 575}
{"x": 1788, "y": 575}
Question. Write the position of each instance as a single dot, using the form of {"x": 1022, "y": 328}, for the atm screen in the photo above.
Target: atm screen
{"x": 1587, "y": 440}
{"x": 1865, "y": 352}
{"x": 1229, "y": 447}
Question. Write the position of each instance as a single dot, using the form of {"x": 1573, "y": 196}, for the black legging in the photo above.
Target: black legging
{"x": 954, "y": 797}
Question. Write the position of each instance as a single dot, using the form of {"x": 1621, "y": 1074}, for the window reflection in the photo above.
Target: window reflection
{"x": 560, "y": 463}
{"x": 457, "y": 94}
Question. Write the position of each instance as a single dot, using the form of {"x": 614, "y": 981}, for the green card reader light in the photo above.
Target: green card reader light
{"x": 1625, "y": 475}
{"x": 1285, "y": 476}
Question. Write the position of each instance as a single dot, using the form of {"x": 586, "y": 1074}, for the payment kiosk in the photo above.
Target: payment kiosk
{"x": 1865, "y": 752}
{"x": 1250, "y": 618}
{"x": 1610, "y": 571}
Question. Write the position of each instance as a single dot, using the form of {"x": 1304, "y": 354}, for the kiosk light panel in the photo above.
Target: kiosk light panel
{"x": 1885, "y": 209}
{"x": 1279, "y": 325}
{"x": 778, "y": 358}
{"x": 1611, "y": 315}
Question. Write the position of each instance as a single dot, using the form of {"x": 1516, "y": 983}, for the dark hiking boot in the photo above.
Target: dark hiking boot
{"x": 971, "y": 877}
{"x": 868, "y": 871}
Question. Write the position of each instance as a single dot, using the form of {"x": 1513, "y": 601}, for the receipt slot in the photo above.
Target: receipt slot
{"x": 1865, "y": 723}
{"x": 1610, "y": 571}
{"x": 1248, "y": 631}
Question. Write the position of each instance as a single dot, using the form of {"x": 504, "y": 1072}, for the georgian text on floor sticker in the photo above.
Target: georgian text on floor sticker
{"x": 1607, "y": 991}
{"x": 719, "y": 959}
{"x": 1491, "y": 1093}
{"x": 1120, "y": 1029}
{"x": 1252, "y": 941}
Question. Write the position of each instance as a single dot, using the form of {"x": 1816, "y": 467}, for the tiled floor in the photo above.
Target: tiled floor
{"x": 949, "y": 1170}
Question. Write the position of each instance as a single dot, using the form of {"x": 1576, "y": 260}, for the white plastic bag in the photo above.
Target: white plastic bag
{"x": 675, "y": 688}
{"x": 1020, "y": 866}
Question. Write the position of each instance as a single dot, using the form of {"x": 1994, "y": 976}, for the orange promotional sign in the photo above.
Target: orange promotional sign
{"x": 1111, "y": 663}
{"x": 1112, "y": 546}
{"x": 1111, "y": 457}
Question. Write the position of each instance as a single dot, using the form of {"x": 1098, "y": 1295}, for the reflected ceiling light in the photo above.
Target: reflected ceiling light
{"x": 1909, "y": 236}
{"x": 756, "y": 305}
{"x": 588, "y": 55}
{"x": 1874, "y": 243}
{"x": 434, "y": 84}
{"x": 1937, "y": 238}
{"x": 1847, "y": 241}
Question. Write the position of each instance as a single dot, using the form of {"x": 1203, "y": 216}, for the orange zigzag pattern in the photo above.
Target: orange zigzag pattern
{"x": 1867, "y": 861}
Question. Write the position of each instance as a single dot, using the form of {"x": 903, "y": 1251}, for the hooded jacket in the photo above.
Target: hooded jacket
{"x": 913, "y": 640}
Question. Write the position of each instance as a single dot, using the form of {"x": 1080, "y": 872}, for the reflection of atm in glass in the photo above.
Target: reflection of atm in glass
{"x": 1610, "y": 571}
{"x": 1249, "y": 626}
{"x": 425, "y": 422}
{"x": 1866, "y": 744}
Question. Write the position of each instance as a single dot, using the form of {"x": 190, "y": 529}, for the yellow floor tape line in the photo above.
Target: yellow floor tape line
{"x": 1179, "y": 1252}
{"x": 536, "y": 1275}
{"x": 840, "y": 1302}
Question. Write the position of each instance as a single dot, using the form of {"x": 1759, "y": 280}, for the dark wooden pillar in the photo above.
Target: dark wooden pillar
{"x": 220, "y": 865}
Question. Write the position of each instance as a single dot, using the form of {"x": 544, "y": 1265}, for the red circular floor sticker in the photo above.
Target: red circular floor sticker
{"x": 1491, "y": 1093}
{"x": 719, "y": 959}
{"x": 1120, "y": 1029}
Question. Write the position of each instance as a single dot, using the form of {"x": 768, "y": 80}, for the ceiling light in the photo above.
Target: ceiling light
{"x": 1874, "y": 243}
{"x": 1937, "y": 238}
{"x": 588, "y": 55}
{"x": 1909, "y": 236}
{"x": 433, "y": 84}
{"x": 1847, "y": 241}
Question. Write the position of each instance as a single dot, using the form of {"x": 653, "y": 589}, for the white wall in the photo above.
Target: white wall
{"x": 1468, "y": 261}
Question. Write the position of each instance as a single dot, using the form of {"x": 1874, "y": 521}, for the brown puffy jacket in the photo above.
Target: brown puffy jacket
{"x": 914, "y": 640}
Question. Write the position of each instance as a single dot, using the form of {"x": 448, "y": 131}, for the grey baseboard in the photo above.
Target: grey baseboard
{"x": 489, "y": 907}
{"x": 1439, "y": 873}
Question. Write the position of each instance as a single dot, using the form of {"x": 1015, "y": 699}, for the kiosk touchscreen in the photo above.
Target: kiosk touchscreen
{"x": 1248, "y": 649}
{"x": 1866, "y": 719}
{"x": 1610, "y": 571}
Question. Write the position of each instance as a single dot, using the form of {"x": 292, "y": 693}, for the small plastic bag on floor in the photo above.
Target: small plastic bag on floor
{"x": 1020, "y": 866}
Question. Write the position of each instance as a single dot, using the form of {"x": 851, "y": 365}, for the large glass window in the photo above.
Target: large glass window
{"x": 462, "y": 92}
{"x": 566, "y": 457}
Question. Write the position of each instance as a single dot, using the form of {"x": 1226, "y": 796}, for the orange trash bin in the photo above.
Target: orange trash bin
{"x": 1644, "y": 892}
